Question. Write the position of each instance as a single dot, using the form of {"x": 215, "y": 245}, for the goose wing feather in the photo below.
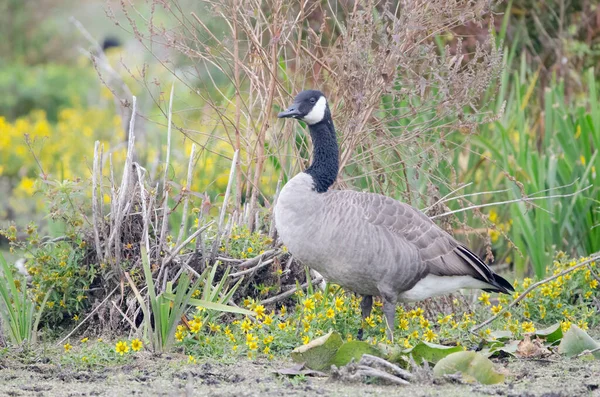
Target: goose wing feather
{"x": 441, "y": 254}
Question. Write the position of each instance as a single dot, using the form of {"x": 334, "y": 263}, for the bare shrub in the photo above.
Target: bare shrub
{"x": 395, "y": 94}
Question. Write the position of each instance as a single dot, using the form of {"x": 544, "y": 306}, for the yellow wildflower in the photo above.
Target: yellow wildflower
{"x": 339, "y": 304}
{"x": 565, "y": 325}
{"x": 445, "y": 319}
{"x": 268, "y": 320}
{"x": 136, "y": 345}
{"x": 246, "y": 325}
{"x": 195, "y": 326}
{"x": 403, "y": 325}
{"x": 496, "y": 309}
{"x": 369, "y": 321}
{"x": 260, "y": 311}
{"x": 494, "y": 235}
{"x": 308, "y": 304}
{"x": 84, "y": 340}
{"x": 330, "y": 313}
{"x": 430, "y": 336}
{"x": 191, "y": 359}
{"x": 305, "y": 339}
{"x": 484, "y": 298}
{"x": 528, "y": 327}
{"x": 283, "y": 310}
{"x": 67, "y": 347}
{"x": 121, "y": 347}
{"x": 251, "y": 338}
{"x": 268, "y": 339}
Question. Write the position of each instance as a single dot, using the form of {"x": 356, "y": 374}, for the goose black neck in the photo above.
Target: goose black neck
{"x": 325, "y": 165}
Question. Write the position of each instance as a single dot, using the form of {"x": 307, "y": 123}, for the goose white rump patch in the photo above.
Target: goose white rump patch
{"x": 317, "y": 112}
{"x": 433, "y": 285}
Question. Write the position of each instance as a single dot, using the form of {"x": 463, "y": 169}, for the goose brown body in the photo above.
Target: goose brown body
{"x": 368, "y": 243}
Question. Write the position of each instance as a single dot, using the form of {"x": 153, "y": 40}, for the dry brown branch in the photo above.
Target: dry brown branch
{"x": 178, "y": 248}
{"x": 290, "y": 292}
{"x": 123, "y": 197}
{"x": 185, "y": 192}
{"x": 125, "y": 317}
{"x": 259, "y": 258}
{"x": 88, "y": 316}
{"x": 519, "y": 200}
{"x": 253, "y": 269}
{"x": 97, "y": 198}
{"x": 217, "y": 240}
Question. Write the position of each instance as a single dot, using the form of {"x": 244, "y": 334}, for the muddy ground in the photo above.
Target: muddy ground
{"x": 169, "y": 376}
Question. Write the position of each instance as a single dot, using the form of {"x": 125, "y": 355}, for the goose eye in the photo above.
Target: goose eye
{"x": 313, "y": 100}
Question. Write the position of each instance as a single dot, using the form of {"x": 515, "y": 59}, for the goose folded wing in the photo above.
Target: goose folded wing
{"x": 439, "y": 251}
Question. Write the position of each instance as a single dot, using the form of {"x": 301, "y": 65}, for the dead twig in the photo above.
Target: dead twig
{"x": 96, "y": 216}
{"x": 257, "y": 259}
{"x": 522, "y": 199}
{"x": 125, "y": 317}
{"x": 88, "y": 316}
{"x": 290, "y": 292}
{"x": 252, "y": 269}
{"x": 586, "y": 352}
{"x": 186, "y": 242}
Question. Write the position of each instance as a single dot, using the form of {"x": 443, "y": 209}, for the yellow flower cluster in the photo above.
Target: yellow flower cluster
{"x": 565, "y": 299}
{"x": 500, "y": 227}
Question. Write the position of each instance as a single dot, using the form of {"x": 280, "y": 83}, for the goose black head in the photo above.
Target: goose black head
{"x": 309, "y": 106}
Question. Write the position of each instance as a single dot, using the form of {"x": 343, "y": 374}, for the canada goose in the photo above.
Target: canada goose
{"x": 366, "y": 242}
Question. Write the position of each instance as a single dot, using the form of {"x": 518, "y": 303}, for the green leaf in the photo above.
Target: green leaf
{"x": 319, "y": 353}
{"x": 576, "y": 341}
{"x": 430, "y": 352}
{"x": 473, "y": 367}
{"x": 497, "y": 348}
{"x": 353, "y": 350}
{"x": 551, "y": 334}
{"x": 501, "y": 335}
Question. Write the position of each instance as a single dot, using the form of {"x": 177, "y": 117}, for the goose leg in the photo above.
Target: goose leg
{"x": 365, "y": 306}
{"x": 389, "y": 310}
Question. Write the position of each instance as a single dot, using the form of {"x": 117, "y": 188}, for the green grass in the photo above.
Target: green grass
{"x": 20, "y": 318}
{"x": 555, "y": 150}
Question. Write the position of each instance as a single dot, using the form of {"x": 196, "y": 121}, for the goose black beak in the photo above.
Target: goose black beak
{"x": 292, "y": 111}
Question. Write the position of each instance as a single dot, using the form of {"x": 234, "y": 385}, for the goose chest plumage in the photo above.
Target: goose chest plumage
{"x": 368, "y": 243}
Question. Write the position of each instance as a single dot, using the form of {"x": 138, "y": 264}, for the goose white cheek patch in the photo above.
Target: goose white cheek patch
{"x": 317, "y": 113}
